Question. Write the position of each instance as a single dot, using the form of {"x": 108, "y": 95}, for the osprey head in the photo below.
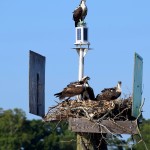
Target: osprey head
{"x": 119, "y": 85}
{"x": 85, "y": 79}
{"x": 119, "y": 82}
{"x": 83, "y": 1}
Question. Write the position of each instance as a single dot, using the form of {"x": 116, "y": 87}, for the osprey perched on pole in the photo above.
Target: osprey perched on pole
{"x": 76, "y": 88}
{"x": 80, "y": 13}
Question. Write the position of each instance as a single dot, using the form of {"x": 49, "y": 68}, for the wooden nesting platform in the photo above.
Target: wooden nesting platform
{"x": 96, "y": 116}
{"x": 105, "y": 126}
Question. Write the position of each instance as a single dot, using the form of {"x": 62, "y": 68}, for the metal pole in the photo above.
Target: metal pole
{"x": 81, "y": 63}
{"x": 80, "y": 75}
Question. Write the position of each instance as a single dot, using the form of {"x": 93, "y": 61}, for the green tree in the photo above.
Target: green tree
{"x": 11, "y": 122}
{"x": 17, "y": 132}
{"x": 60, "y": 138}
{"x": 145, "y": 132}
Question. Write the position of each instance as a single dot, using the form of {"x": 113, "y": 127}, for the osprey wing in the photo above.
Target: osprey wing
{"x": 108, "y": 89}
{"x": 77, "y": 15}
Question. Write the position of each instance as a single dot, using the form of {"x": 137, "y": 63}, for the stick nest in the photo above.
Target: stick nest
{"x": 119, "y": 109}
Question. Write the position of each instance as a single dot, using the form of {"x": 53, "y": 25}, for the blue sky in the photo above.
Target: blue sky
{"x": 117, "y": 29}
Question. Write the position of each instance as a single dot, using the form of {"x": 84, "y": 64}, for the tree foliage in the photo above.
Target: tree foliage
{"x": 138, "y": 142}
{"x": 16, "y": 132}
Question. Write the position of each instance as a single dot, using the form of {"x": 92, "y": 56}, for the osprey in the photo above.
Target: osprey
{"x": 110, "y": 93}
{"x": 80, "y": 12}
{"x": 73, "y": 89}
{"x": 88, "y": 94}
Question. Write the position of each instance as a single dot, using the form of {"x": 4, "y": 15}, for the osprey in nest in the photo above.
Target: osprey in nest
{"x": 80, "y": 12}
{"x": 77, "y": 88}
{"x": 110, "y": 93}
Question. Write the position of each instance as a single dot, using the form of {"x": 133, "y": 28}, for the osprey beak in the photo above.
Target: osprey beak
{"x": 88, "y": 78}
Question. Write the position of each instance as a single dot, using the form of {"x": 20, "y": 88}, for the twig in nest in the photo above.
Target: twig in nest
{"x": 101, "y": 125}
{"x": 82, "y": 108}
{"x": 120, "y": 113}
{"x": 102, "y": 118}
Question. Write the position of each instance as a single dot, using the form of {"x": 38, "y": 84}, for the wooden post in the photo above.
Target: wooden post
{"x": 91, "y": 136}
{"x": 91, "y": 141}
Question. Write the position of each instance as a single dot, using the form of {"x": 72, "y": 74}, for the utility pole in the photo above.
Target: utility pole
{"x": 82, "y": 47}
{"x": 84, "y": 140}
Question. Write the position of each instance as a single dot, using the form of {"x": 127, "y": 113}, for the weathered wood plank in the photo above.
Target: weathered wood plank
{"x": 106, "y": 126}
{"x": 36, "y": 84}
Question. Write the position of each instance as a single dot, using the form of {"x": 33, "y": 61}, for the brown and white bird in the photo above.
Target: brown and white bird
{"x": 88, "y": 94}
{"x": 74, "y": 89}
{"x": 80, "y": 12}
{"x": 110, "y": 93}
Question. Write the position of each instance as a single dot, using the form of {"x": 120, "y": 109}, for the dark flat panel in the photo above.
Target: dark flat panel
{"x": 36, "y": 84}
{"x": 137, "y": 85}
{"x": 85, "y": 34}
